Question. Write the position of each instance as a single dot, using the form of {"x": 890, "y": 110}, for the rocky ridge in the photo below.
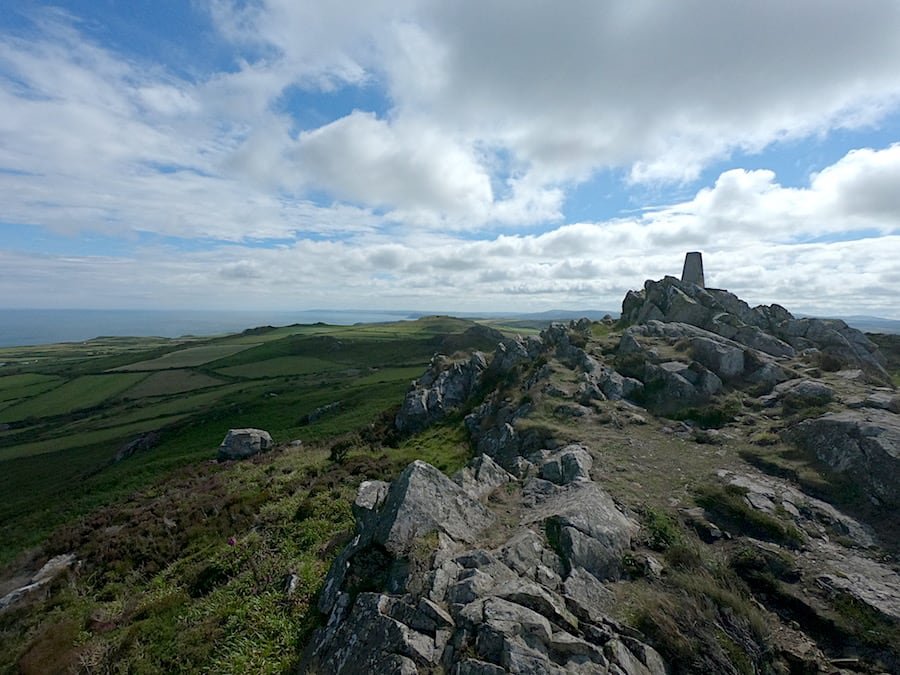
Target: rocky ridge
{"x": 525, "y": 560}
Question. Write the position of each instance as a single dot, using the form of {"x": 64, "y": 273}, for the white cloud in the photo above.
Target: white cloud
{"x": 494, "y": 114}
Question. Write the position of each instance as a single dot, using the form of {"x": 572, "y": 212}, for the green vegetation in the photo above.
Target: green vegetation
{"x": 82, "y": 392}
{"x": 701, "y": 616}
{"x": 729, "y": 508}
{"x": 185, "y": 562}
{"x": 184, "y": 358}
{"x": 167, "y": 382}
{"x": 68, "y": 415}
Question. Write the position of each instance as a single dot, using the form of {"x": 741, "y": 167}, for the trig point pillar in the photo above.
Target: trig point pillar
{"x": 693, "y": 268}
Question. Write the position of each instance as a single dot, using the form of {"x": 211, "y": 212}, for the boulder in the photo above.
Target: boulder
{"x": 571, "y": 463}
{"x": 583, "y": 523}
{"x": 674, "y": 385}
{"x": 800, "y": 393}
{"x": 863, "y": 443}
{"x": 243, "y": 443}
{"x": 481, "y": 476}
{"x": 54, "y": 567}
{"x": 423, "y": 500}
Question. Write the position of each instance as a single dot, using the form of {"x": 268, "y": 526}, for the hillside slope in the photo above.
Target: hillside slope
{"x": 703, "y": 488}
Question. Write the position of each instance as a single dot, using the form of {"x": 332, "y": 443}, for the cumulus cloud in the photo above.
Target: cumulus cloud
{"x": 453, "y": 195}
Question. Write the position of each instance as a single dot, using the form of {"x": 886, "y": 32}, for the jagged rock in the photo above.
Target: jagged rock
{"x": 674, "y": 385}
{"x": 837, "y": 340}
{"x": 569, "y": 464}
{"x": 585, "y": 526}
{"x": 369, "y": 497}
{"x": 862, "y": 443}
{"x": 866, "y": 581}
{"x": 527, "y": 555}
{"x": 476, "y": 667}
{"x": 726, "y": 361}
{"x": 585, "y": 596}
{"x": 481, "y": 477}
{"x": 772, "y": 330}
{"x": 800, "y": 393}
{"x": 371, "y": 640}
{"x": 243, "y": 443}
{"x": 882, "y": 399}
{"x": 423, "y": 500}
{"x": 615, "y": 386}
{"x": 40, "y": 579}
{"x": 444, "y": 387}
{"x": 513, "y": 352}
{"x": 646, "y": 662}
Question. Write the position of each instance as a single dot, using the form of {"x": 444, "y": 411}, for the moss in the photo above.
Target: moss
{"x": 661, "y": 530}
{"x": 729, "y": 507}
{"x": 713, "y": 416}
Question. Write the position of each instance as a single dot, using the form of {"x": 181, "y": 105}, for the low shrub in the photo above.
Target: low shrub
{"x": 728, "y": 506}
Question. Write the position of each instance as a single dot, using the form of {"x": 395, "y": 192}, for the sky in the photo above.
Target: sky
{"x": 465, "y": 156}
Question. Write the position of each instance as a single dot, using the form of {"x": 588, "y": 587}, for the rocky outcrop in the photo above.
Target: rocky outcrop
{"x": 52, "y": 569}
{"x": 768, "y": 329}
{"x": 863, "y": 444}
{"x": 142, "y": 443}
{"x": 529, "y": 605}
{"x": 444, "y": 387}
{"x": 243, "y": 443}
{"x": 800, "y": 393}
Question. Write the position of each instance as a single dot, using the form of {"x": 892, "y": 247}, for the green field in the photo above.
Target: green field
{"x": 282, "y": 365}
{"x": 167, "y": 382}
{"x": 70, "y": 407}
{"x": 184, "y": 358}
{"x": 152, "y": 529}
{"x": 83, "y": 392}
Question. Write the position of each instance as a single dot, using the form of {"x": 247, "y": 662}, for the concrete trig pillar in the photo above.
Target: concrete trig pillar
{"x": 693, "y": 268}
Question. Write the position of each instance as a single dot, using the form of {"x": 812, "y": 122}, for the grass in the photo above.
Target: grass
{"x": 168, "y": 382}
{"x": 190, "y": 356}
{"x": 14, "y": 387}
{"x": 55, "y": 463}
{"x": 68, "y": 441}
{"x": 729, "y": 508}
{"x": 82, "y": 392}
{"x": 282, "y": 365}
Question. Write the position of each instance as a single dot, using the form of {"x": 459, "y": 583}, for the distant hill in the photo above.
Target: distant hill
{"x": 873, "y": 324}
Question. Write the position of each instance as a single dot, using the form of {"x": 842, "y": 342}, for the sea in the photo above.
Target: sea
{"x": 22, "y": 327}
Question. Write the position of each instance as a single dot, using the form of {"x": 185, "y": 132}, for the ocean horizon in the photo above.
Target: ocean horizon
{"x": 27, "y": 327}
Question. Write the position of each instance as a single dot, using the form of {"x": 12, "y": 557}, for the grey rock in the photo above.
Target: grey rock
{"x": 476, "y": 667}
{"x": 587, "y": 528}
{"x": 243, "y": 443}
{"x": 369, "y": 497}
{"x": 142, "y": 443}
{"x": 527, "y": 555}
{"x": 801, "y": 393}
{"x": 423, "y": 500}
{"x": 725, "y": 360}
{"x": 673, "y": 385}
{"x": 534, "y": 596}
{"x": 772, "y": 330}
{"x": 569, "y": 464}
{"x": 54, "y": 567}
{"x": 481, "y": 477}
{"x": 585, "y": 596}
{"x": 444, "y": 387}
{"x": 862, "y": 443}
{"x": 369, "y": 640}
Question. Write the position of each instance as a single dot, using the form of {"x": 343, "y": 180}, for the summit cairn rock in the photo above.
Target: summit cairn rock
{"x": 692, "y": 273}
